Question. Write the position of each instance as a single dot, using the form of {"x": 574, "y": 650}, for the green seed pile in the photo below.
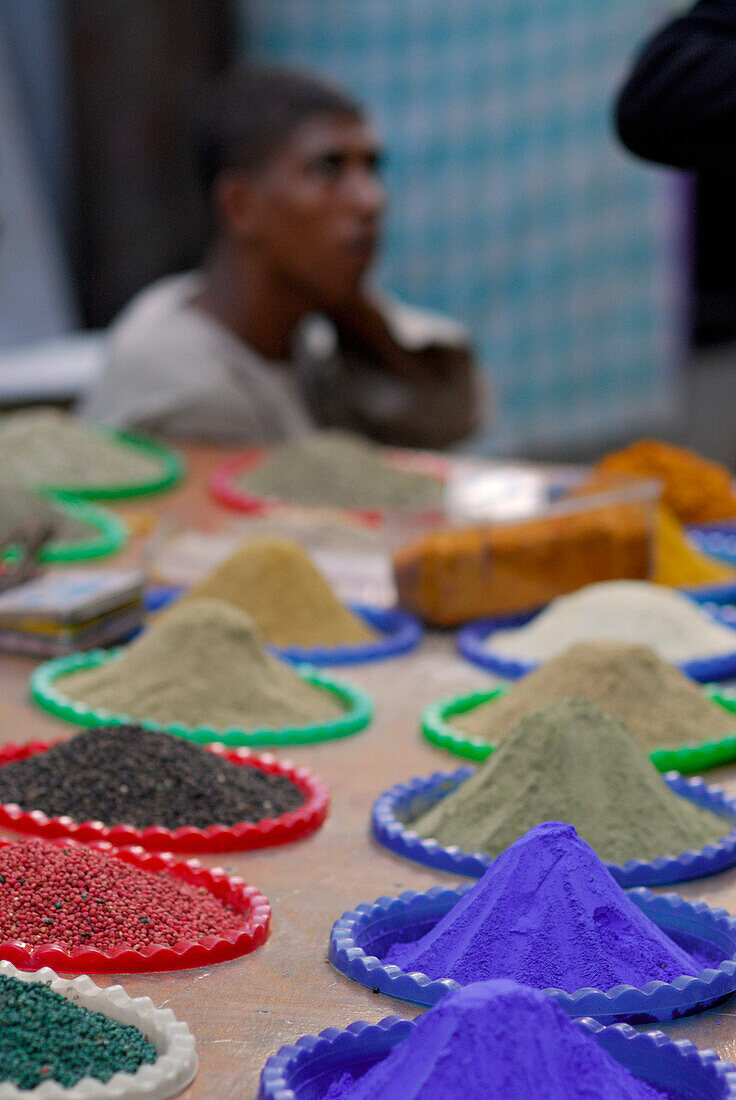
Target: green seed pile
{"x": 134, "y": 776}
{"x": 42, "y": 445}
{"x": 78, "y": 897}
{"x": 338, "y": 469}
{"x": 45, "y": 1037}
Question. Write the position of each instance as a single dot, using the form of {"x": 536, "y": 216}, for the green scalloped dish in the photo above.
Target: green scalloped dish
{"x": 108, "y": 534}
{"x": 358, "y": 708}
{"x": 688, "y": 760}
{"x": 171, "y": 463}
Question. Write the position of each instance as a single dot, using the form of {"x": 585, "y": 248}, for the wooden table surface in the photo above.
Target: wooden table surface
{"x": 243, "y": 1011}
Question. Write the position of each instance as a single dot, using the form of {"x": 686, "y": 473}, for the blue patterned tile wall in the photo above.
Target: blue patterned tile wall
{"x": 513, "y": 209}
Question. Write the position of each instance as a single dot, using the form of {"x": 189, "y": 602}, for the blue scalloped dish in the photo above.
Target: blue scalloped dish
{"x": 400, "y": 631}
{"x": 306, "y": 1070}
{"x": 395, "y": 809}
{"x": 472, "y": 643}
{"x": 361, "y": 937}
{"x": 718, "y": 540}
{"x": 159, "y": 596}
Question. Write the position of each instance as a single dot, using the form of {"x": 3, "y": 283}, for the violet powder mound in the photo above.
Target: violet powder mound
{"x": 569, "y": 761}
{"x": 495, "y": 1041}
{"x": 134, "y": 776}
{"x": 547, "y": 914}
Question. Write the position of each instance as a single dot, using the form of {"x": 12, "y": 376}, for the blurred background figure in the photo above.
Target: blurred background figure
{"x": 677, "y": 107}
{"x": 513, "y": 208}
{"x": 290, "y": 165}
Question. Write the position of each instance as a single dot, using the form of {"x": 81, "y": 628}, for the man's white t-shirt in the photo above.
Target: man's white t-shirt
{"x": 174, "y": 370}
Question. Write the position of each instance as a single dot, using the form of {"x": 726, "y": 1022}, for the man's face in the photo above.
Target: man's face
{"x": 319, "y": 205}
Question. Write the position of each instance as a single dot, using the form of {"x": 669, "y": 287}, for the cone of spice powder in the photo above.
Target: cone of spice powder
{"x": 621, "y": 611}
{"x": 202, "y": 664}
{"x": 655, "y": 701}
{"x": 547, "y": 914}
{"x": 38, "y": 443}
{"x": 695, "y": 489}
{"x": 335, "y": 468}
{"x": 495, "y": 1041}
{"x": 275, "y": 582}
{"x": 571, "y": 762}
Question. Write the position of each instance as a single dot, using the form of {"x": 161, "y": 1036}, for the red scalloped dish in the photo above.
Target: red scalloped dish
{"x": 224, "y": 489}
{"x": 215, "y": 838}
{"x": 184, "y": 955}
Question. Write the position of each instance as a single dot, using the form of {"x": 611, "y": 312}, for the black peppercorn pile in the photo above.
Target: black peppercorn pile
{"x": 127, "y": 775}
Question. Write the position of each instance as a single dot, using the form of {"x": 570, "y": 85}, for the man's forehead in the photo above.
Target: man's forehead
{"x": 324, "y": 133}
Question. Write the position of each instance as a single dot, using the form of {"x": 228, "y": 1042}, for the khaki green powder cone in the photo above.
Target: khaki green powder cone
{"x": 202, "y": 665}
{"x": 655, "y": 701}
{"x": 336, "y": 468}
{"x": 572, "y": 762}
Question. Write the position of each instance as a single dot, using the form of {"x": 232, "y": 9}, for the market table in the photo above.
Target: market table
{"x": 243, "y": 1011}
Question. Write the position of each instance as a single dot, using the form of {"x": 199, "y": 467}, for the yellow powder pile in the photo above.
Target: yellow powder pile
{"x": 202, "y": 664}
{"x": 676, "y": 562}
{"x": 695, "y": 489}
{"x": 291, "y": 604}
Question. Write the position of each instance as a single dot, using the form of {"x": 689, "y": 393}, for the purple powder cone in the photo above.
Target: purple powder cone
{"x": 495, "y": 1041}
{"x": 547, "y": 914}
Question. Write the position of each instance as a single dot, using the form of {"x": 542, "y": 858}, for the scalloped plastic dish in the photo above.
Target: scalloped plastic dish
{"x": 436, "y": 727}
{"x": 314, "y": 1062}
{"x": 406, "y": 801}
{"x": 108, "y": 534}
{"x": 171, "y": 463}
{"x": 472, "y": 644}
{"x": 401, "y": 633}
{"x": 172, "y": 1071}
{"x": 241, "y": 837}
{"x": 358, "y": 708}
{"x": 154, "y": 957}
{"x": 357, "y": 934}
{"x": 718, "y": 540}
{"x": 224, "y": 489}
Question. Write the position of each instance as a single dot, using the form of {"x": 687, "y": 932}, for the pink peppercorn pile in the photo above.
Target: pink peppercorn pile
{"x": 78, "y": 897}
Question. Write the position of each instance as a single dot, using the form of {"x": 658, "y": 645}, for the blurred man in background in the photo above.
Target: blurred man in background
{"x": 279, "y": 331}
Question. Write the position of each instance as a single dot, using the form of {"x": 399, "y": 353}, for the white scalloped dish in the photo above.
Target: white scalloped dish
{"x": 172, "y": 1071}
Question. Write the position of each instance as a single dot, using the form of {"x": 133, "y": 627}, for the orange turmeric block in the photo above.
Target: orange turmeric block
{"x": 451, "y": 576}
{"x": 695, "y": 489}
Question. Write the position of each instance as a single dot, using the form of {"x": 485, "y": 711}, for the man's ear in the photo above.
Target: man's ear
{"x": 235, "y": 199}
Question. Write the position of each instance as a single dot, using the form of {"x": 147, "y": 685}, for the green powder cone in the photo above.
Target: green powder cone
{"x": 655, "y": 701}
{"x": 202, "y": 664}
{"x": 572, "y": 762}
{"x": 339, "y": 469}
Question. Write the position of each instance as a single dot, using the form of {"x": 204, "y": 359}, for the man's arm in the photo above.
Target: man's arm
{"x": 403, "y": 385}
{"x": 678, "y": 105}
